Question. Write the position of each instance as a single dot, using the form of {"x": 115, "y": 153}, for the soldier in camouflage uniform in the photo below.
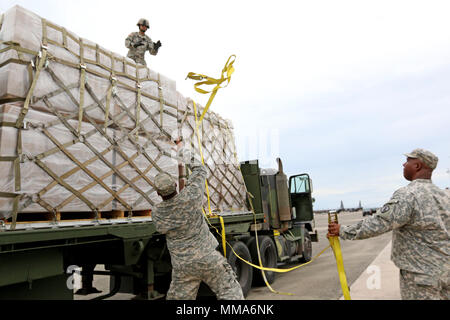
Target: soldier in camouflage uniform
{"x": 191, "y": 245}
{"x": 139, "y": 43}
{"x": 419, "y": 215}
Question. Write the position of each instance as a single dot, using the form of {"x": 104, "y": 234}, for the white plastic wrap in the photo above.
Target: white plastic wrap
{"x": 160, "y": 152}
{"x": 34, "y": 179}
{"x": 226, "y": 184}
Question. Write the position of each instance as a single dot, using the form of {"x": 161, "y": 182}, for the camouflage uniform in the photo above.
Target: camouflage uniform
{"x": 191, "y": 245}
{"x": 418, "y": 214}
{"x": 138, "y": 53}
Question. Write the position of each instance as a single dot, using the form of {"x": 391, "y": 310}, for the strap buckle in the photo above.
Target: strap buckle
{"x": 333, "y": 216}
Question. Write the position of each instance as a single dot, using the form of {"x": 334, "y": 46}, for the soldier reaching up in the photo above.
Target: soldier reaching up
{"x": 191, "y": 244}
{"x": 139, "y": 43}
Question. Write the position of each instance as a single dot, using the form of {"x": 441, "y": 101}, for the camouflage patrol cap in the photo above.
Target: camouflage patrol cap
{"x": 425, "y": 156}
{"x": 143, "y": 22}
{"x": 165, "y": 184}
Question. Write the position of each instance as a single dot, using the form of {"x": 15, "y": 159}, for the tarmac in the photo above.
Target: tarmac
{"x": 380, "y": 280}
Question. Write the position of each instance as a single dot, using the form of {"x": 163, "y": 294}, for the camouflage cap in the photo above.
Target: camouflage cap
{"x": 425, "y": 156}
{"x": 165, "y": 184}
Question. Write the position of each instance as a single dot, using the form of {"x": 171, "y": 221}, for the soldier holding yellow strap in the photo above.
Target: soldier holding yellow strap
{"x": 419, "y": 216}
{"x": 192, "y": 246}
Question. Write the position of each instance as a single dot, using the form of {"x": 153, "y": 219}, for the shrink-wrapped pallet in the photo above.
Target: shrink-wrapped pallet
{"x": 36, "y": 141}
{"x": 62, "y": 174}
{"x": 226, "y": 185}
{"x": 78, "y": 73}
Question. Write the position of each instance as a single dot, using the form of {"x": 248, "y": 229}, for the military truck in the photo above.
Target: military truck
{"x": 38, "y": 259}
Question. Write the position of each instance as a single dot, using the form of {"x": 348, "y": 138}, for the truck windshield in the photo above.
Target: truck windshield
{"x": 300, "y": 184}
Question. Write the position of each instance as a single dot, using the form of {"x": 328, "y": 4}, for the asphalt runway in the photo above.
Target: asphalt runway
{"x": 316, "y": 281}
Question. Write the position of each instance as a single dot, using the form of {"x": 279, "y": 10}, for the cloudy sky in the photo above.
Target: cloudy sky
{"x": 337, "y": 89}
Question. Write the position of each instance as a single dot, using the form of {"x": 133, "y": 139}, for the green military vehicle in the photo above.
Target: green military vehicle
{"x": 38, "y": 259}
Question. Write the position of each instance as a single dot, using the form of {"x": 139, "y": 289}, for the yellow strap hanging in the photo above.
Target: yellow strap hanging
{"x": 224, "y": 241}
{"x": 197, "y": 123}
{"x": 250, "y": 197}
{"x": 336, "y": 246}
{"x": 228, "y": 70}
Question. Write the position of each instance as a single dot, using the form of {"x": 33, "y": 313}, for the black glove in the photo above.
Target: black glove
{"x": 158, "y": 45}
{"x": 137, "y": 44}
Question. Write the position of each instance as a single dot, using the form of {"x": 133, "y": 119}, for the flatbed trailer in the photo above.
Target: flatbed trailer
{"x": 38, "y": 260}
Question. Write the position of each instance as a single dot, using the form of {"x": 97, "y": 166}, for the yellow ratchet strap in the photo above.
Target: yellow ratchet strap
{"x": 336, "y": 246}
{"x": 227, "y": 71}
{"x": 197, "y": 123}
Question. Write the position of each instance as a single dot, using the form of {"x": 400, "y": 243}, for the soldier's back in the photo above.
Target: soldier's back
{"x": 187, "y": 233}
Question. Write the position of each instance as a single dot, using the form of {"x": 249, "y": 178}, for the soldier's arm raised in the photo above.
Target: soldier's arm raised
{"x": 196, "y": 181}
{"x": 394, "y": 214}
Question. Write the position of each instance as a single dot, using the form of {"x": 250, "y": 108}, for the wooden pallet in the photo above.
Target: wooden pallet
{"x": 39, "y": 217}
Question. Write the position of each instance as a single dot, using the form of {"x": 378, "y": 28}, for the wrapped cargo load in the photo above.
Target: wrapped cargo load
{"x": 100, "y": 171}
{"x": 84, "y": 130}
{"x": 39, "y": 154}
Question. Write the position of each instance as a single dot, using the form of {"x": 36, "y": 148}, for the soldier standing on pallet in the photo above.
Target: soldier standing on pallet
{"x": 419, "y": 215}
{"x": 139, "y": 43}
{"x": 191, "y": 244}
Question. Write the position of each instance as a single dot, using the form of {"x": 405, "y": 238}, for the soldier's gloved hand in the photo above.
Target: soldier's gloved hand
{"x": 137, "y": 44}
{"x": 158, "y": 45}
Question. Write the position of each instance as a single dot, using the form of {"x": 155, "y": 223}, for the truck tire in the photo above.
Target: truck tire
{"x": 268, "y": 253}
{"x": 244, "y": 271}
{"x": 307, "y": 248}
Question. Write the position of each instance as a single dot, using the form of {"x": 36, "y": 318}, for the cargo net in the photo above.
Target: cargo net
{"x": 83, "y": 131}
{"x": 225, "y": 181}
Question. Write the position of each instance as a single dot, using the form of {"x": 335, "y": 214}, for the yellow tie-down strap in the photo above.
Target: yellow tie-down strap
{"x": 334, "y": 241}
{"x": 223, "y": 233}
{"x": 227, "y": 71}
{"x": 336, "y": 246}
